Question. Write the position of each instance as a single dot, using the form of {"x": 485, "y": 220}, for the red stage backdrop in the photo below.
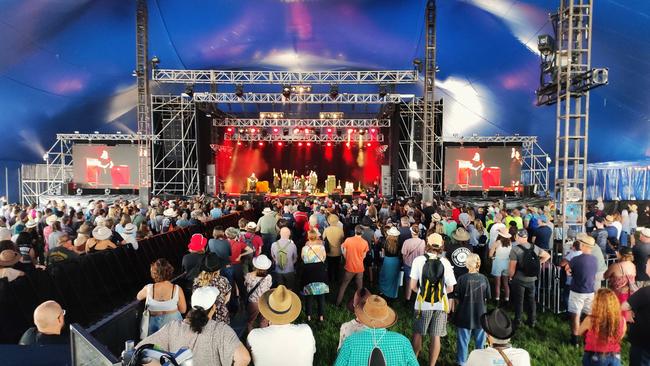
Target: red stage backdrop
{"x": 351, "y": 164}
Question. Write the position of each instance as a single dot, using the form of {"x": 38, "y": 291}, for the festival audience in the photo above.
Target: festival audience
{"x": 500, "y": 254}
{"x": 314, "y": 276}
{"x": 603, "y": 329}
{"x": 499, "y": 330}
{"x": 354, "y": 251}
{"x": 642, "y": 258}
{"x": 257, "y": 283}
{"x": 639, "y": 306}
{"x": 354, "y": 325}
{"x": 621, "y": 276}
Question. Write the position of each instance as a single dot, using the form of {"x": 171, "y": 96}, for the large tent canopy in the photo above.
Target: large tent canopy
{"x": 67, "y": 65}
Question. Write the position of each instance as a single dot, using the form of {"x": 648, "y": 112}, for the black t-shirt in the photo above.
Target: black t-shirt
{"x": 640, "y": 304}
{"x": 543, "y": 236}
{"x": 472, "y": 291}
{"x": 404, "y": 235}
{"x": 60, "y": 254}
{"x": 457, "y": 255}
{"x": 428, "y": 211}
{"x": 641, "y": 253}
{"x": 33, "y": 336}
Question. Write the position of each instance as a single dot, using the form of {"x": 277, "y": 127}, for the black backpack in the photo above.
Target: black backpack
{"x": 530, "y": 264}
{"x": 432, "y": 281}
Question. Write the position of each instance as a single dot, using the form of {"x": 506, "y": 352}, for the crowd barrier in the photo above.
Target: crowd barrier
{"x": 95, "y": 284}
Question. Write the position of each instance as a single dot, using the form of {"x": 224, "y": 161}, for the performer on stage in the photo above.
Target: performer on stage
{"x": 252, "y": 183}
{"x": 303, "y": 183}
{"x": 313, "y": 181}
{"x": 276, "y": 180}
{"x": 285, "y": 180}
{"x": 476, "y": 178}
{"x": 516, "y": 162}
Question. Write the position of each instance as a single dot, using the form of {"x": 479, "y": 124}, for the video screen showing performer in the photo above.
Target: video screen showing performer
{"x": 102, "y": 166}
{"x": 481, "y": 169}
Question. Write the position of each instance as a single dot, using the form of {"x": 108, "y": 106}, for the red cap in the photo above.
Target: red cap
{"x": 197, "y": 243}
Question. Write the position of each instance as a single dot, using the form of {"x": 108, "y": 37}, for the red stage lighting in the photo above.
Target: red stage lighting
{"x": 275, "y": 130}
{"x": 347, "y": 144}
{"x": 252, "y": 130}
{"x": 280, "y": 143}
{"x": 329, "y": 144}
{"x": 296, "y": 131}
{"x": 368, "y": 144}
{"x": 306, "y": 130}
{"x": 309, "y": 144}
{"x": 350, "y": 130}
{"x": 238, "y": 143}
{"x": 300, "y": 144}
{"x": 229, "y": 129}
{"x": 329, "y": 130}
{"x": 372, "y": 130}
{"x": 241, "y": 130}
{"x": 261, "y": 143}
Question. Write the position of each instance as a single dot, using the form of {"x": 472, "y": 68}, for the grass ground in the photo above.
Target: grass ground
{"x": 546, "y": 343}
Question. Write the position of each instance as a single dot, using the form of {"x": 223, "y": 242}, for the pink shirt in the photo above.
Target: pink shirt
{"x": 411, "y": 249}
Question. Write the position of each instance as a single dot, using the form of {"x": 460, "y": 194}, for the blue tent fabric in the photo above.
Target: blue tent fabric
{"x": 619, "y": 181}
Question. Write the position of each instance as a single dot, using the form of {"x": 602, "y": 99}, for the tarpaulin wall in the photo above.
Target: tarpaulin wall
{"x": 619, "y": 181}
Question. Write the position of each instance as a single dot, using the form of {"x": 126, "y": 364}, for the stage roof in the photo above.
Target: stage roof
{"x": 67, "y": 65}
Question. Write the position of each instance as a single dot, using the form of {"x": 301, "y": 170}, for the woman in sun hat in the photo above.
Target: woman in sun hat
{"x": 376, "y": 344}
{"x": 389, "y": 274}
{"x": 281, "y": 343}
{"x": 211, "y": 342}
{"x": 257, "y": 282}
{"x": 100, "y": 240}
{"x": 9, "y": 257}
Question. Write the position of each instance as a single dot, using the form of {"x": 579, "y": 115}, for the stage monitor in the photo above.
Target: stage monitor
{"x": 102, "y": 166}
{"x": 472, "y": 168}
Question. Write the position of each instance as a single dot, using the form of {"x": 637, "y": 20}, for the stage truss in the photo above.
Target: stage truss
{"x": 353, "y": 138}
{"x": 175, "y": 168}
{"x": 307, "y": 98}
{"x": 301, "y": 123}
{"x": 51, "y": 177}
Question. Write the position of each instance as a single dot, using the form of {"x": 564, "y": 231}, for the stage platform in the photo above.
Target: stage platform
{"x": 292, "y": 196}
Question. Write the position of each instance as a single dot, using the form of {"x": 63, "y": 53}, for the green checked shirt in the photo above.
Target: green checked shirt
{"x": 396, "y": 348}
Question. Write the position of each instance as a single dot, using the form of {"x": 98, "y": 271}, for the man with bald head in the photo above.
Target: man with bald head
{"x": 285, "y": 256}
{"x": 49, "y": 319}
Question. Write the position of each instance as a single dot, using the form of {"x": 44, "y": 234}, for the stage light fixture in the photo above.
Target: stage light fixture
{"x": 368, "y": 144}
{"x": 285, "y": 131}
{"x": 347, "y": 144}
{"x": 229, "y": 129}
{"x": 329, "y": 130}
{"x": 350, "y": 130}
{"x": 334, "y": 91}
{"x": 309, "y": 144}
{"x": 306, "y": 130}
{"x": 329, "y": 144}
{"x": 239, "y": 90}
{"x": 238, "y": 143}
{"x": 300, "y": 144}
{"x": 253, "y": 130}
{"x": 241, "y": 130}
{"x": 286, "y": 91}
{"x": 383, "y": 90}
{"x": 330, "y": 115}
{"x": 545, "y": 44}
{"x": 260, "y": 143}
{"x": 271, "y": 115}
{"x": 296, "y": 131}
{"x": 275, "y": 130}
{"x": 301, "y": 89}
{"x": 373, "y": 130}
{"x": 280, "y": 143}
{"x": 189, "y": 91}
{"x": 155, "y": 61}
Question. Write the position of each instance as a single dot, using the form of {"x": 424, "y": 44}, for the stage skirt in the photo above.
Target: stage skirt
{"x": 389, "y": 277}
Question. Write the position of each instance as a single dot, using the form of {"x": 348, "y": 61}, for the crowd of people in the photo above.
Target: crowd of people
{"x": 308, "y": 252}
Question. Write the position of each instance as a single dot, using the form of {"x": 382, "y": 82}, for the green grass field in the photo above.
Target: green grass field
{"x": 547, "y": 343}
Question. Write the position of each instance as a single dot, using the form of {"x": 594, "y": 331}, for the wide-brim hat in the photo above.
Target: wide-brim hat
{"x": 9, "y": 257}
{"x": 436, "y": 217}
{"x": 251, "y": 225}
{"x": 393, "y": 231}
{"x": 170, "y": 212}
{"x": 332, "y": 219}
{"x": 30, "y": 224}
{"x": 646, "y": 232}
{"x": 280, "y": 305}
{"x": 102, "y": 233}
{"x": 84, "y": 229}
{"x": 197, "y": 243}
{"x": 266, "y": 211}
{"x": 262, "y": 262}
{"x": 632, "y": 207}
{"x": 461, "y": 234}
{"x": 504, "y": 233}
{"x": 80, "y": 240}
{"x": 376, "y": 313}
{"x": 50, "y": 219}
{"x": 129, "y": 229}
{"x": 213, "y": 263}
{"x": 609, "y": 218}
{"x": 497, "y": 324}
{"x": 586, "y": 239}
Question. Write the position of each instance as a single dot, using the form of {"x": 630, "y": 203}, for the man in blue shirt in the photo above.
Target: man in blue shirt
{"x": 216, "y": 211}
{"x": 357, "y": 349}
{"x": 543, "y": 233}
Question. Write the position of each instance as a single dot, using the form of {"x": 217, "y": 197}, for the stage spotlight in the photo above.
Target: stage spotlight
{"x": 373, "y": 130}
{"x": 296, "y": 131}
{"x": 286, "y": 91}
{"x": 306, "y": 130}
{"x": 368, "y": 144}
{"x": 229, "y": 129}
{"x": 155, "y": 61}
{"x": 260, "y": 143}
{"x": 383, "y": 90}
{"x": 347, "y": 144}
{"x": 350, "y": 130}
{"x": 238, "y": 143}
{"x": 309, "y": 144}
{"x": 241, "y": 130}
{"x": 329, "y": 144}
{"x": 545, "y": 44}
{"x": 300, "y": 144}
{"x": 253, "y": 130}
{"x": 189, "y": 91}
{"x": 275, "y": 130}
{"x": 329, "y": 130}
{"x": 239, "y": 90}
{"x": 285, "y": 131}
{"x": 280, "y": 143}
{"x": 334, "y": 91}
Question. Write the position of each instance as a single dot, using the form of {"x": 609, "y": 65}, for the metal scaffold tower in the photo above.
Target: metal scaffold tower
{"x": 566, "y": 79}
{"x": 143, "y": 113}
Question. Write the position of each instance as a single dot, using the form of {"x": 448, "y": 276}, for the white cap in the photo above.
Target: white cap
{"x": 205, "y": 297}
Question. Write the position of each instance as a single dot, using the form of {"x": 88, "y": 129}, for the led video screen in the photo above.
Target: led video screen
{"x": 470, "y": 168}
{"x": 102, "y": 166}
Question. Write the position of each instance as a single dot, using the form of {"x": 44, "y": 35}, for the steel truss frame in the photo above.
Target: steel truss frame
{"x": 51, "y": 178}
{"x": 175, "y": 168}
{"x": 308, "y": 98}
{"x": 302, "y": 123}
{"x": 143, "y": 105}
{"x": 284, "y": 77}
{"x": 256, "y": 137}
{"x": 534, "y": 171}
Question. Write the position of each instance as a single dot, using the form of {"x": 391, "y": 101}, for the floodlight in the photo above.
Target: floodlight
{"x": 334, "y": 91}
{"x": 239, "y": 90}
{"x": 545, "y": 44}
{"x": 286, "y": 91}
{"x": 189, "y": 91}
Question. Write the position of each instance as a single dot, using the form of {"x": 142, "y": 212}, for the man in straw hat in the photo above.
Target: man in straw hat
{"x": 375, "y": 342}
{"x": 583, "y": 270}
{"x": 642, "y": 258}
{"x": 430, "y": 272}
{"x": 499, "y": 329}
{"x": 281, "y": 343}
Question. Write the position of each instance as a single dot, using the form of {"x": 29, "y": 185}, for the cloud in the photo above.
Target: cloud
{"x": 465, "y": 109}
{"x": 291, "y": 60}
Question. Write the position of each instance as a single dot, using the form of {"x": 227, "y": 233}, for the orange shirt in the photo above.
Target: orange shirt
{"x": 355, "y": 252}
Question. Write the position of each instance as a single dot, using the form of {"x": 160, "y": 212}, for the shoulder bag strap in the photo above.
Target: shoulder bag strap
{"x": 316, "y": 254}
{"x": 252, "y": 291}
{"x": 508, "y": 362}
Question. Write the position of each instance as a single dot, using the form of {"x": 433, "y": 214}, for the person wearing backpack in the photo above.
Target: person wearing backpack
{"x": 432, "y": 278}
{"x": 525, "y": 263}
{"x": 285, "y": 255}
{"x": 257, "y": 282}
